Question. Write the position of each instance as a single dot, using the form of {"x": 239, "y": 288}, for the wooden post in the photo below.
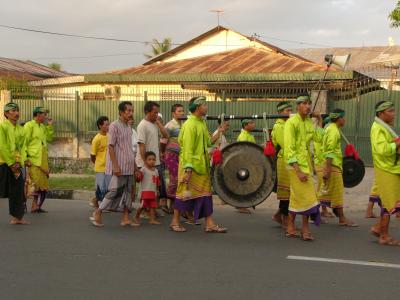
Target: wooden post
{"x": 5, "y": 97}
{"x": 322, "y": 105}
{"x": 76, "y": 139}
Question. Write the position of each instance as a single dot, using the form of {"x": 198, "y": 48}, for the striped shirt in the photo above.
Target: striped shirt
{"x": 120, "y": 136}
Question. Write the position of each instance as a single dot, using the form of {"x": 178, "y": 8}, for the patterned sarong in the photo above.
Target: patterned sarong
{"x": 39, "y": 180}
{"x": 388, "y": 185}
{"x": 283, "y": 190}
{"x": 331, "y": 193}
{"x": 172, "y": 162}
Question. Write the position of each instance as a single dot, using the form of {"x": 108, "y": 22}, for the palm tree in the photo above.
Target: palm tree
{"x": 158, "y": 48}
{"x": 394, "y": 16}
{"x": 55, "y": 66}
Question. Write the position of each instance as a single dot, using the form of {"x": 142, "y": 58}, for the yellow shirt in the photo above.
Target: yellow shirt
{"x": 246, "y": 136}
{"x": 99, "y": 149}
{"x": 384, "y": 149}
{"x": 298, "y": 134}
{"x": 277, "y": 135}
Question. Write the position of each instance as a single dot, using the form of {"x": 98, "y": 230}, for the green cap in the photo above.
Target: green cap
{"x": 40, "y": 109}
{"x": 283, "y": 105}
{"x": 246, "y": 121}
{"x": 304, "y": 98}
{"x": 10, "y": 106}
{"x": 384, "y": 106}
{"x": 336, "y": 115}
{"x": 198, "y": 101}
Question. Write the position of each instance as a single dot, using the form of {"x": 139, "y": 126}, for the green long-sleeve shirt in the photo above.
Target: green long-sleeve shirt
{"x": 246, "y": 136}
{"x": 12, "y": 148}
{"x": 384, "y": 149}
{"x": 36, "y": 138}
{"x": 277, "y": 136}
{"x": 298, "y": 134}
{"x": 194, "y": 140}
{"x": 332, "y": 147}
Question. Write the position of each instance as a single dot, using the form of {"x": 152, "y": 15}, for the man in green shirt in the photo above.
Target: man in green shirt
{"x": 194, "y": 180}
{"x": 331, "y": 190}
{"x": 283, "y": 185}
{"x": 12, "y": 158}
{"x": 298, "y": 133}
{"x": 385, "y": 145}
{"x": 245, "y": 135}
{"x": 37, "y": 135}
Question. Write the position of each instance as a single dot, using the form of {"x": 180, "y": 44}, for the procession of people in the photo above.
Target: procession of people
{"x": 167, "y": 169}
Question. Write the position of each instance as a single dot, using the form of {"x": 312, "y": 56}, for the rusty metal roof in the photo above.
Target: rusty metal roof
{"x": 27, "y": 70}
{"x": 374, "y": 61}
{"x": 238, "y": 61}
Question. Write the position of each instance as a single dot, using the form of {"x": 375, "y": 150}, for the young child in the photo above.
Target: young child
{"x": 98, "y": 156}
{"x": 149, "y": 185}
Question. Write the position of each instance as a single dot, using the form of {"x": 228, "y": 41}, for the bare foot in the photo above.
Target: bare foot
{"x": 154, "y": 222}
{"x": 125, "y": 223}
{"x": 15, "y": 221}
{"x": 327, "y": 214}
{"x": 243, "y": 210}
{"x": 277, "y": 218}
{"x": 375, "y": 231}
{"x": 370, "y": 215}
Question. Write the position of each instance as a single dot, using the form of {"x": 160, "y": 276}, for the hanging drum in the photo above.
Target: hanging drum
{"x": 246, "y": 177}
{"x": 353, "y": 171}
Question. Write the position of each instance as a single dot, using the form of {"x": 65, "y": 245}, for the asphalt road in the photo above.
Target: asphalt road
{"x": 61, "y": 256}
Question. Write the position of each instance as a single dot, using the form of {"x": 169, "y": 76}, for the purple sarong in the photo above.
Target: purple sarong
{"x": 202, "y": 207}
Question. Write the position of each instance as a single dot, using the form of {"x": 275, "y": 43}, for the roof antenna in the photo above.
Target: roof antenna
{"x": 218, "y": 12}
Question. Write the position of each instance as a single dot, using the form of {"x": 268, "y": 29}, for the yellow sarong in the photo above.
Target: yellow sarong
{"x": 374, "y": 195}
{"x": 331, "y": 193}
{"x": 303, "y": 196}
{"x": 283, "y": 190}
{"x": 38, "y": 178}
{"x": 388, "y": 187}
{"x": 199, "y": 186}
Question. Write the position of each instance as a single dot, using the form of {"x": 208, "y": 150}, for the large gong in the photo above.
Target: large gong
{"x": 246, "y": 176}
{"x": 353, "y": 171}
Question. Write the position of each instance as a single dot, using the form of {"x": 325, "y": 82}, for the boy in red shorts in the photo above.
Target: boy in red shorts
{"x": 149, "y": 184}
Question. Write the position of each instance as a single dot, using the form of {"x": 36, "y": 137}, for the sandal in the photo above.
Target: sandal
{"x": 307, "y": 236}
{"x": 216, "y": 229}
{"x": 177, "y": 228}
{"x": 348, "y": 224}
{"x": 389, "y": 242}
{"x": 295, "y": 234}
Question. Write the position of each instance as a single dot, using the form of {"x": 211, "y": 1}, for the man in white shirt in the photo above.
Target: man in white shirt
{"x": 148, "y": 132}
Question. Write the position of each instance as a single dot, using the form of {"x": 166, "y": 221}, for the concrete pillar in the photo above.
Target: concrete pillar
{"x": 322, "y": 104}
{"x": 5, "y": 97}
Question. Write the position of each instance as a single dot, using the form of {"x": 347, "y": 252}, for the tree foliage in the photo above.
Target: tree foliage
{"x": 158, "y": 47}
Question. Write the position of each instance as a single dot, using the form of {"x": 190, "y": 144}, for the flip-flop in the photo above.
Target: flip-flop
{"x": 177, "y": 228}
{"x": 371, "y": 217}
{"x": 295, "y": 234}
{"x": 390, "y": 242}
{"x": 307, "y": 236}
{"x": 96, "y": 224}
{"x": 216, "y": 229}
{"x": 348, "y": 224}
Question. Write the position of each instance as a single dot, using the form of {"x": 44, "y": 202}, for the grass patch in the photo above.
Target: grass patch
{"x": 72, "y": 183}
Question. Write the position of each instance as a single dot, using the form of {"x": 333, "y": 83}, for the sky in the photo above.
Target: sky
{"x": 288, "y": 24}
